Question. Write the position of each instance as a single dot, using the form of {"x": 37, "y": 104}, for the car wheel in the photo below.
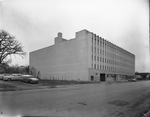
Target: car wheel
{"x": 9, "y": 79}
{"x": 28, "y": 81}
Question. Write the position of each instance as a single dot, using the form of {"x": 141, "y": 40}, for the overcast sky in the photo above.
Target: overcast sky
{"x": 35, "y": 23}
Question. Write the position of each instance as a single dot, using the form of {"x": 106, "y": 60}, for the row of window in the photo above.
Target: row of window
{"x": 99, "y": 42}
{"x": 113, "y": 62}
{"x": 108, "y": 68}
{"x": 110, "y": 54}
{"x": 113, "y": 56}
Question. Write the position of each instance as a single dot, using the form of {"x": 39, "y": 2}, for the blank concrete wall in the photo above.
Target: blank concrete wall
{"x": 66, "y": 60}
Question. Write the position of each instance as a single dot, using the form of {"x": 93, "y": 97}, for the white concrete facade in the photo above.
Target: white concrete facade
{"x": 86, "y": 57}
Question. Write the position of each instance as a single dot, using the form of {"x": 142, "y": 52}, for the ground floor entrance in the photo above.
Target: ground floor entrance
{"x": 102, "y": 77}
{"x": 92, "y": 78}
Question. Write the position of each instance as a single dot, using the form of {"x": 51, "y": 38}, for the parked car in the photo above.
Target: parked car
{"x": 10, "y": 77}
{"x": 1, "y": 76}
{"x": 132, "y": 80}
{"x": 29, "y": 79}
{"x": 138, "y": 77}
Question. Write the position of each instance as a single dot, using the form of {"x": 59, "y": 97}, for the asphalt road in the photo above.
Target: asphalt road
{"x": 88, "y": 100}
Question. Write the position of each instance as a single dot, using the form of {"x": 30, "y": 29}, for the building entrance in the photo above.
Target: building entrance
{"x": 92, "y": 78}
{"x": 102, "y": 77}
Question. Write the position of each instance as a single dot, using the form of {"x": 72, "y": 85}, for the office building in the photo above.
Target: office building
{"x": 85, "y": 57}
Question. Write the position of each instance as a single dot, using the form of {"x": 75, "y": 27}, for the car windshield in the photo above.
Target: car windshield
{"x": 27, "y": 76}
{"x": 16, "y": 74}
{"x": 34, "y": 78}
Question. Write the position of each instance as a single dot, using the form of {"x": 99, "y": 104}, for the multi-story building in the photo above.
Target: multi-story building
{"x": 86, "y": 57}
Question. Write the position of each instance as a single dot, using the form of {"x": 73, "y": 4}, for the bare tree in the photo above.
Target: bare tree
{"x": 9, "y": 46}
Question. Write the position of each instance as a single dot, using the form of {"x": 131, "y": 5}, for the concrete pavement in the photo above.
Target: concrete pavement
{"x": 88, "y": 100}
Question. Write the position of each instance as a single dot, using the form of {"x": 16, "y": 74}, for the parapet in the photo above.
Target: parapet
{"x": 79, "y": 35}
{"x": 59, "y": 38}
{"x": 82, "y": 33}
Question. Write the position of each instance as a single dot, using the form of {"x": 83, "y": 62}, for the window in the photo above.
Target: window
{"x": 98, "y": 42}
{"x": 94, "y": 66}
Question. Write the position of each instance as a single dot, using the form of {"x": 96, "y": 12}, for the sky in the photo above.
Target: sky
{"x": 35, "y": 24}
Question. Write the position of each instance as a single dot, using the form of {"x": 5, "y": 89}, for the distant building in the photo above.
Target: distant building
{"x": 144, "y": 75}
{"x": 86, "y": 57}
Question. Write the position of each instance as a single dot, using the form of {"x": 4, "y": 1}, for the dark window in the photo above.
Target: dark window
{"x": 92, "y": 78}
{"x": 94, "y": 66}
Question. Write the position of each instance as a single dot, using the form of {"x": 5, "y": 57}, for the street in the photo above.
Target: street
{"x": 87, "y": 100}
